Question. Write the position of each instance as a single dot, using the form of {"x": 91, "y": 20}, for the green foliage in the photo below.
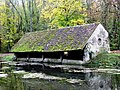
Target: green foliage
{"x": 61, "y": 13}
{"x": 105, "y": 61}
{"x": 106, "y": 12}
{"x": 8, "y": 58}
{"x": 8, "y": 32}
{"x": 12, "y": 82}
{"x": 114, "y": 35}
{"x": 115, "y": 80}
{"x": 17, "y": 18}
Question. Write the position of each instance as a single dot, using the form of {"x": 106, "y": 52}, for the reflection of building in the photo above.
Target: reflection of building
{"x": 75, "y": 81}
{"x": 97, "y": 81}
{"x": 79, "y": 42}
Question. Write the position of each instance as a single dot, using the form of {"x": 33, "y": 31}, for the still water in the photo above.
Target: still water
{"x": 58, "y": 77}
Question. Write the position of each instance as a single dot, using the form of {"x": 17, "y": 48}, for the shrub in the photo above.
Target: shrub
{"x": 105, "y": 61}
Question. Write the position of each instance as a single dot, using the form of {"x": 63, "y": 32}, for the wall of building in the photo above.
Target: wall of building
{"x": 97, "y": 43}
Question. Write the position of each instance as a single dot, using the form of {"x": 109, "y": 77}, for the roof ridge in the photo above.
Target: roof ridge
{"x": 65, "y": 27}
{"x": 81, "y": 25}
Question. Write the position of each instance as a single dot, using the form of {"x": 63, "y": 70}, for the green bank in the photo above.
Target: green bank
{"x": 106, "y": 60}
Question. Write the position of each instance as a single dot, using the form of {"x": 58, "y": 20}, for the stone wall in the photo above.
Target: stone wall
{"x": 97, "y": 43}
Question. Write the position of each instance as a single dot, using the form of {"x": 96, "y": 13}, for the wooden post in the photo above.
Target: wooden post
{"x": 28, "y": 57}
{"x": 61, "y": 58}
{"x": 43, "y": 58}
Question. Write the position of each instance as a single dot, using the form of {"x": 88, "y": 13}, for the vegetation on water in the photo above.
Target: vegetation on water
{"x": 12, "y": 81}
{"x": 106, "y": 60}
{"x": 70, "y": 81}
{"x": 18, "y": 17}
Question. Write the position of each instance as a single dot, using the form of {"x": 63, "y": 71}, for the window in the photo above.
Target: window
{"x": 99, "y": 41}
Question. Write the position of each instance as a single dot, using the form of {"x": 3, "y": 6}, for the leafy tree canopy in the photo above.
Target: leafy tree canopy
{"x": 61, "y": 13}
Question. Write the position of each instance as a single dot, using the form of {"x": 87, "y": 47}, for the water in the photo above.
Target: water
{"x": 58, "y": 77}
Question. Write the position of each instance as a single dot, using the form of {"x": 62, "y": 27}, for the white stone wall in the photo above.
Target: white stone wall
{"x": 97, "y": 43}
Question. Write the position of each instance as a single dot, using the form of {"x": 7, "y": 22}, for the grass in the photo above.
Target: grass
{"x": 105, "y": 60}
{"x": 7, "y": 58}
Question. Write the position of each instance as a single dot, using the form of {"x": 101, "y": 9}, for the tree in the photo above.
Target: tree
{"x": 61, "y": 13}
{"x": 17, "y": 18}
{"x": 110, "y": 20}
{"x": 108, "y": 13}
{"x": 8, "y": 32}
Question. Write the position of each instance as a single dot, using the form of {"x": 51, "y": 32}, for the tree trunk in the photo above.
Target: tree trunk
{"x": 0, "y": 44}
{"x": 30, "y": 12}
{"x": 26, "y": 19}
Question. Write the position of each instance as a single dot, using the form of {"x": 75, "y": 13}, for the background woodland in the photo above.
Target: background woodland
{"x": 18, "y": 17}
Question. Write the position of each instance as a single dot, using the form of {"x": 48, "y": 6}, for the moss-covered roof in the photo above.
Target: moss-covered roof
{"x": 70, "y": 38}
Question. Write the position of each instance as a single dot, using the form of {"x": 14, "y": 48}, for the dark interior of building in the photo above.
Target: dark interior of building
{"x": 73, "y": 54}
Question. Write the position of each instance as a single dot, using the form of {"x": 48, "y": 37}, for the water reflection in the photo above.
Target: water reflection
{"x": 91, "y": 81}
{"x": 58, "y": 78}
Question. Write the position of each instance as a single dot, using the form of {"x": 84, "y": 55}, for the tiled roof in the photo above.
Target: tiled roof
{"x": 64, "y": 39}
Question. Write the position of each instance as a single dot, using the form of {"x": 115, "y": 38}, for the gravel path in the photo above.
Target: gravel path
{"x": 5, "y": 54}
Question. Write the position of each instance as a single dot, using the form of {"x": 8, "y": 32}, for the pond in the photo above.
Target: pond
{"x": 39, "y": 76}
